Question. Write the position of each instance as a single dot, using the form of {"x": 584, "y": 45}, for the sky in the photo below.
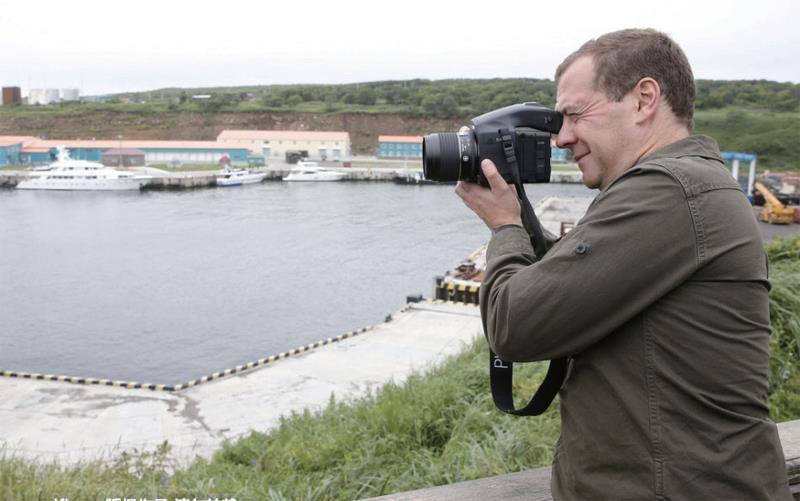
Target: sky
{"x": 107, "y": 47}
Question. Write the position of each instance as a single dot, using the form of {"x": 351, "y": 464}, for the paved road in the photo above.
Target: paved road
{"x": 770, "y": 231}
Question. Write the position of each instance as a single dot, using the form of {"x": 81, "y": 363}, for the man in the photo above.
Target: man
{"x": 658, "y": 295}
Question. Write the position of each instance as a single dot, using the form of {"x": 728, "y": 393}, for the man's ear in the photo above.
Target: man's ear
{"x": 647, "y": 98}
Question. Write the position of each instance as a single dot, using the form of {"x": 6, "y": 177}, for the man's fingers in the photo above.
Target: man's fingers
{"x": 462, "y": 189}
{"x": 496, "y": 181}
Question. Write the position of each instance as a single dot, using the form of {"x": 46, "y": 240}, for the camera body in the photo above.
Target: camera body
{"x": 518, "y": 133}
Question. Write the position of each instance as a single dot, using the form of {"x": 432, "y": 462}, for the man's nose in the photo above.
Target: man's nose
{"x": 566, "y": 136}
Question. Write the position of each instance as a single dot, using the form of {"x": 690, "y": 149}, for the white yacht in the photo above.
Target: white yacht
{"x": 68, "y": 174}
{"x": 238, "y": 177}
{"x": 311, "y": 171}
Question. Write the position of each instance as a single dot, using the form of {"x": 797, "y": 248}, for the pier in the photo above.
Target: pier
{"x": 368, "y": 169}
{"x": 74, "y": 422}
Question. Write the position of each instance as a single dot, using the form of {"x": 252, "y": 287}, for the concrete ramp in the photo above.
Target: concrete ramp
{"x": 67, "y": 423}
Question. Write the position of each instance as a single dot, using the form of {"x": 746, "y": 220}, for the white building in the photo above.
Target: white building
{"x": 70, "y": 94}
{"x": 50, "y": 96}
{"x": 322, "y": 145}
{"x": 43, "y": 96}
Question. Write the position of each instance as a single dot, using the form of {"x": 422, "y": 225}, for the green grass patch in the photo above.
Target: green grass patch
{"x": 784, "y": 307}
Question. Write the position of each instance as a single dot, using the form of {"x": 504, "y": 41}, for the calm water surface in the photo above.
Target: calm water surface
{"x": 164, "y": 287}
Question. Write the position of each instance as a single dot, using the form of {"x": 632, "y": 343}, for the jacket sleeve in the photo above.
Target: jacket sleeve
{"x": 637, "y": 242}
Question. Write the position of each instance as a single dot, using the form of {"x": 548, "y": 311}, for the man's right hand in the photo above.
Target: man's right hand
{"x": 497, "y": 205}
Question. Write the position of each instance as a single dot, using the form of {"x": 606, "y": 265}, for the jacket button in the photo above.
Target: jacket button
{"x": 580, "y": 249}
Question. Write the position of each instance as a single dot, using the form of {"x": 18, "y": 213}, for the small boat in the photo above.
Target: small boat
{"x": 311, "y": 171}
{"x": 68, "y": 174}
{"x": 416, "y": 179}
{"x": 238, "y": 177}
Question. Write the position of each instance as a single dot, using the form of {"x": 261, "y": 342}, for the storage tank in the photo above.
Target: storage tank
{"x": 52, "y": 95}
{"x": 11, "y": 96}
{"x": 36, "y": 96}
{"x": 70, "y": 94}
{"x": 43, "y": 96}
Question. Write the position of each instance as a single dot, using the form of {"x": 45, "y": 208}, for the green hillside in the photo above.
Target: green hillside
{"x": 757, "y": 116}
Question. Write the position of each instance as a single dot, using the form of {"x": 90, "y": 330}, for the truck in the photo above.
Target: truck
{"x": 774, "y": 212}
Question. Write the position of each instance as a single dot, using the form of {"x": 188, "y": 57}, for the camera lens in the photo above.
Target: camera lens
{"x": 448, "y": 156}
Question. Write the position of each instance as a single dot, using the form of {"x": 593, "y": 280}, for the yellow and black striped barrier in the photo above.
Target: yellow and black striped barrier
{"x": 420, "y": 300}
{"x": 458, "y": 293}
{"x": 455, "y": 303}
{"x": 211, "y": 377}
{"x": 87, "y": 381}
{"x": 268, "y": 360}
{"x": 178, "y": 387}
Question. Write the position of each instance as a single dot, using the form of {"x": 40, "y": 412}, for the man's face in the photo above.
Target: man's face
{"x": 596, "y": 129}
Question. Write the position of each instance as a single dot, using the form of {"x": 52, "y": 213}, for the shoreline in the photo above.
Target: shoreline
{"x": 165, "y": 180}
{"x": 384, "y": 171}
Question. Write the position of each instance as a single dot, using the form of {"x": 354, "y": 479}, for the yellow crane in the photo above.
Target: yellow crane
{"x": 774, "y": 212}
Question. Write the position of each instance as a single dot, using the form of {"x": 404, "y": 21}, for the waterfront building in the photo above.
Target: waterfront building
{"x": 400, "y": 146}
{"x": 411, "y": 147}
{"x": 124, "y": 157}
{"x": 319, "y": 145}
{"x": 11, "y": 148}
{"x": 35, "y": 151}
{"x": 557, "y": 154}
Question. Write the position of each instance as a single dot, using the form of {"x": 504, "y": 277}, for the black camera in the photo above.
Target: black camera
{"x": 519, "y": 134}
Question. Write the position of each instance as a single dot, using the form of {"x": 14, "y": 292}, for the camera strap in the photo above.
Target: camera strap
{"x": 501, "y": 371}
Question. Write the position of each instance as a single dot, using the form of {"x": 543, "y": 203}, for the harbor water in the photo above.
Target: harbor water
{"x": 164, "y": 287}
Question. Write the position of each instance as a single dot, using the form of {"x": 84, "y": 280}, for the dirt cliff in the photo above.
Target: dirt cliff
{"x": 364, "y": 128}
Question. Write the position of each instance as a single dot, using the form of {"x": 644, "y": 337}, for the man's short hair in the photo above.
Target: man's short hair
{"x": 622, "y": 58}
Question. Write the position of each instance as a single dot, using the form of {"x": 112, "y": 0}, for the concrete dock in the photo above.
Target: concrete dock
{"x": 68, "y": 423}
{"x": 369, "y": 169}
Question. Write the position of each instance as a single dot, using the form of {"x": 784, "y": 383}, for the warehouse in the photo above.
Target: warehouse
{"x": 400, "y": 146}
{"x": 168, "y": 153}
{"x": 124, "y": 157}
{"x": 320, "y": 145}
{"x": 11, "y": 148}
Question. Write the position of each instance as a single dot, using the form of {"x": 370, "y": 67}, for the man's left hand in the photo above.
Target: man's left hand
{"x": 496, "y": 205}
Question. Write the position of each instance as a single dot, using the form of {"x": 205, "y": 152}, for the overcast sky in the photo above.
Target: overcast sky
{"x": 104, "y": 47}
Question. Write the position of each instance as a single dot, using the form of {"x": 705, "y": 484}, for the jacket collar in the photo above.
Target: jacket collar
{"x": 692, "y": 146}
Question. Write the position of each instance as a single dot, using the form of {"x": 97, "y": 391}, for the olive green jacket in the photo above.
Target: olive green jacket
{"x": 660, "y": 296}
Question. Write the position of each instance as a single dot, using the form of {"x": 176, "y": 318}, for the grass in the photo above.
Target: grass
{"x": 784, "y": 309}
{"x": 436, "y": 428}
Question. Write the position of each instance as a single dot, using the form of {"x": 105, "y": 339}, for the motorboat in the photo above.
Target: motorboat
{"x": 68, "y": 174}
{"x": 417, "y": 178}
{"x": 311, "y": 171}
{"x": 238, "y": 177}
